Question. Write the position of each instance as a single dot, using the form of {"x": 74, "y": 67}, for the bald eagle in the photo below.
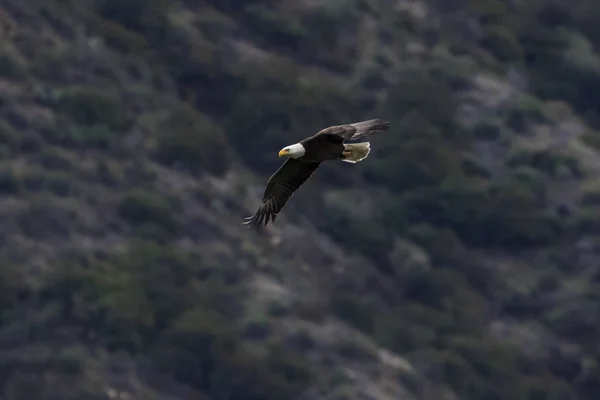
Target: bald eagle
{"x": 305, "y": 157}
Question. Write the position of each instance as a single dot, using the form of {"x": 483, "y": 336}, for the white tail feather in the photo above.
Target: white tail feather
{"x": 358, "y": 152}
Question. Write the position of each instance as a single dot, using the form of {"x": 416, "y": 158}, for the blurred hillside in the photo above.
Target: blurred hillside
{"x": 461, "y": 260}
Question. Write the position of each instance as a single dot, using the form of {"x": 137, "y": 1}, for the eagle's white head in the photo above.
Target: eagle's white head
{"x": 294, "y": 151}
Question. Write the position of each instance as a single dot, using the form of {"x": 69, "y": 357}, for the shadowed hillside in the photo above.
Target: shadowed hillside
{"x": 459, "y": 261}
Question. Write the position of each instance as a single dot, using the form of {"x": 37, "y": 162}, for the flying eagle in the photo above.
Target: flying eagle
{"x": 305, "y": 157}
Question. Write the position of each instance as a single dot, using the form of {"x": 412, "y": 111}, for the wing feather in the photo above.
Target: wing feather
{"x": 280, "y": 188}
{"x": 356, "y": 130}
{"x": 343, "y": 131}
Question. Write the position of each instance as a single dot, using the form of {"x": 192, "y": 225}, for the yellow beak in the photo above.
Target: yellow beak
{"x": 283, "y": 152}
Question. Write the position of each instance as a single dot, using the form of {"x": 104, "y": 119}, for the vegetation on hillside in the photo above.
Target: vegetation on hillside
{"x": 132, "y": 134}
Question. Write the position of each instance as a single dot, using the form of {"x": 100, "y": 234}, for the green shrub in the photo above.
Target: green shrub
{"x": 473, "y": 167}
{"x": 152, "y": 214}
{"x": 514, "y": 217}
{"x": 9, "y": 181}
{"x": 532, "y": 180}
{"x": 564, "y": 66}
{"x": 59, "y": 183}
{"x": 54, "y": 159}
{"x": 497, "y": 214}
{"x": 489, "y": 11}
{"x": 492, "y": 372}
{"x": 409, "y": 164}
{"x": 257, "y": 330}
{"x": 109, "y": 173}
{"x": 99, "y": 137}
{"x": 456, "y": 72}
{"x": 548, "y": 161}
{"x": 43, "y": 219}
{"x": 276, "y": 309}
{"x": 526, "y": 110}
{"x": 14, "y": 287}
{"x": 592, "y": 139}
{"x": 139, "y": 15}
{"x": 586, "y": 220}
{"x": 9, "y": 68}
{"x": 450, "y": 204}
{"x": 4, "y": 101}
{"x": 93, "y": 106}
{"x": 501, "y": 41}
{"x": 129, "y": 294}
{"x": 591, "y": 194}
{"x": 442, "y": 245}
{"x": 402, "y": 336}
{"x": 354, "y": 310}
{"x": 420, "y": 89}
{"x": 8, "y": 135}
{"x": 123, "y": 39}
{"x": 487, "y": 130}
{"x": 410, "y": 262}
{"x": 268, "y": 24}
{"x": 411, "y": 327}
{"x": 370, "y": 237}
{"x": 191, "y": 140}
{"x": 148, "y": 300}
{"x": 19, "y": 142}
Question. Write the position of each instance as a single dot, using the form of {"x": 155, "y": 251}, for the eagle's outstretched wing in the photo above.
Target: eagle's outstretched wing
{"x": 356, "y": 130}
{"x": 280, "y": 188}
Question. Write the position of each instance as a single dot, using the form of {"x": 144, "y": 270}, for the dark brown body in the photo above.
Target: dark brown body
{"x": 323, "y": 147}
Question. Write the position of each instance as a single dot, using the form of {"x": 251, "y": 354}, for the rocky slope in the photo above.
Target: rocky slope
{"x": 459, "y": 261}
